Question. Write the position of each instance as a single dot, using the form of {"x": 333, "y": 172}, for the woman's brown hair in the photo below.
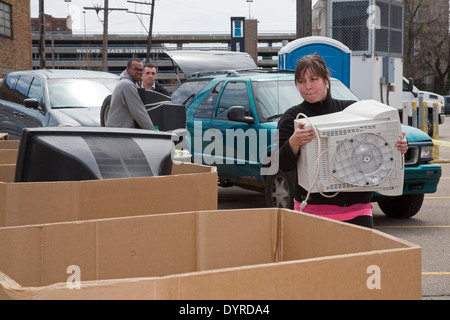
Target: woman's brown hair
{"x": 316, "y": 66}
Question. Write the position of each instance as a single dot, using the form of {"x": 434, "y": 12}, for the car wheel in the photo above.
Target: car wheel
{"x": 105, "y": 110}
{"x": 279, "y": 190}
{"x": 404, "y": 206}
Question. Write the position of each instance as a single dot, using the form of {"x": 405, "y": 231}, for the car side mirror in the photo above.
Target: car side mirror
{"x": 411, "y": 87}
{"x": 410, "y": 84}
{"x": 31, "y": 103}
{"x": 237, "y": 113}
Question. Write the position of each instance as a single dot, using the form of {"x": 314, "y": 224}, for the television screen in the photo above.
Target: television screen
{"x": 81, "y": 153}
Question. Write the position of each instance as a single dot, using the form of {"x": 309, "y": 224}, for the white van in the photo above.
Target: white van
{"x": 411, "y": 93}
{"x": 447, "y": 104}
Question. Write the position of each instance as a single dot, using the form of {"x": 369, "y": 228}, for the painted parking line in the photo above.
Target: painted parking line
{"x": 441, "y": 143}
{"x": 402, "y": 227}
{"x": 436, "y": 273}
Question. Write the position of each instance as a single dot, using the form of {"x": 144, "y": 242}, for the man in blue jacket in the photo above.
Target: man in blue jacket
{"x": 127, "y": 109}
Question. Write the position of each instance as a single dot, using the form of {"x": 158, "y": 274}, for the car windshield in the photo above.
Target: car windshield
{"x": 79, "y": 93}
{"x": 187, "y": 91}
{"x": 273, "y": 98}
{"x": 341, "y": 92}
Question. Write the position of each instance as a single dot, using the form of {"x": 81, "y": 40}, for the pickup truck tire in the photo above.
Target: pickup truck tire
{"x": 105, "y": 110}
{"x": 279, "y": 190}
{"x": 404, "y": 206}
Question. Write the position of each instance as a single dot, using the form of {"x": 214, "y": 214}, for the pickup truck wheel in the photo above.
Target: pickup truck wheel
{"x": 105, "y": 110}
{"x": 404, "y": 206}
{"x": 279, "y": 190}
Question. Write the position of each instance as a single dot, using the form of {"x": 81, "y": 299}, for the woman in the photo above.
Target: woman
{"x": 313, "y": 81}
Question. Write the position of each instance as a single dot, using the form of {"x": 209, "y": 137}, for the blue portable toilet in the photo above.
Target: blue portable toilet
{"x": 335, "y": 53}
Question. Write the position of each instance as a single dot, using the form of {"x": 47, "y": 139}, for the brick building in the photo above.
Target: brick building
{"x": 52, "y": 24}
{"x": 15, "y": 36}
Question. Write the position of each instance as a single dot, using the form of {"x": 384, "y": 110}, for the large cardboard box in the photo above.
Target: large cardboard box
{"x": 232, "y": 254}
{"x": 189, "y": 187}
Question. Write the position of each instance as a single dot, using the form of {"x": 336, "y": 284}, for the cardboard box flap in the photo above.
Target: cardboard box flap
{"x": 327, "y": 237}
{"x": 186, "y": 168}
{"x": 146, "y": 246}
{"x": 7, "y": 172}
{"x": 8, "y": 156}
{"x": 136, "y": 196}
{"x": 193, "y": 187}
{"x": 132, "y": 289}
{"x": 21, "y": 254}
{"x": 233, "y": 238}
{"x": 45, "y": 202}
{"x": 10, "y": 289}
{"x": 334, "y": 277}
{"x": 9, "y": 144}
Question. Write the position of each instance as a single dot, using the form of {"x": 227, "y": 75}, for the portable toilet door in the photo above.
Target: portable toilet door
{"x": 335, "y": 54}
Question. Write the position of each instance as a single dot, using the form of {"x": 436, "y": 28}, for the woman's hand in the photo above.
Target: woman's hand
{"x": 300, "y": 137}
{"x": 402, "y": 145}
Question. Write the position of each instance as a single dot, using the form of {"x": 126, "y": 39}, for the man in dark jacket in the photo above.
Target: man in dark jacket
{"x": 149, "y": 80}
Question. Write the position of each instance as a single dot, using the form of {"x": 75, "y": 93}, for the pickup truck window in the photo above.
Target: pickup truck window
{"x": 187, "y": 91}
{"x": 7, "y": 87}
{"x": 234, "y": 94}
{"x": 36, "y": 90}
{"x": 21, "y": 91}
{"x": 206, "y": 108}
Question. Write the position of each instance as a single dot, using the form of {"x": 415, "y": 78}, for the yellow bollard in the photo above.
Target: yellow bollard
{"x": 424, "y": 117}
{"x": 436, "y": 129}
{"x": 414, "y": 114}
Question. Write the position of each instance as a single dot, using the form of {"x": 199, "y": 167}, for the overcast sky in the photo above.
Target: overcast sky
{"x": 174, "y": 16}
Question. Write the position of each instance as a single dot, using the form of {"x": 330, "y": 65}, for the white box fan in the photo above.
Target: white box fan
{"x": 354, "y": 150}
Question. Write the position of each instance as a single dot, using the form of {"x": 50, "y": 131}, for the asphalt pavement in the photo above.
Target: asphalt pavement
{"x": 429, "y": 228}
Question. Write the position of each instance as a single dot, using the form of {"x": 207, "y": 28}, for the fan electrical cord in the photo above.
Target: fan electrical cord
{"x": 316, "y": 166}
{"x": 155, "y": 105}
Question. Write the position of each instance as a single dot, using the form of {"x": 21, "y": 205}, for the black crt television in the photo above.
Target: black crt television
{"x": 82, "y": 153}
{"x": 164, "y": 114}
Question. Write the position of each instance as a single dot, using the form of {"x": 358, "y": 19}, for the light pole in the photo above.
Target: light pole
{"x": 106, "y": 9}
{"x": 304, "y": 18}
{"x": 41, "y": 35}
{"x": 150, "y": 31}
{"x": 84, "y": 16}
{"x": 249, "y": 6}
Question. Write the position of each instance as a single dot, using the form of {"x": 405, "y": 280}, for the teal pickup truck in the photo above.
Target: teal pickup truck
{"x": 232, "y": 116}
{"x": 421, "y": 176}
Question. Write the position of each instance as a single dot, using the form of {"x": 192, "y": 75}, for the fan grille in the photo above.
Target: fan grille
{"x": 366, "y": 159}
